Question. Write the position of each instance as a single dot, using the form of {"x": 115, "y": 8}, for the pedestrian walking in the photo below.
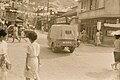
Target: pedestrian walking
{"x": 42, "y": 29}
{"x": 98, "y": 38}
{"x": 33, "y": 28}
{"x": 4, "y": 61}
{"x": 79, "y": 36}
{"x": 32, "y": 59}
{"x": 22, "y": 34}
{"x": 84, "y": 35}
{"x": 6, "y": 30}
{"x": 116, "y": 52}
{"x": 15, "y": 33}
{"x": 79, "y": 39}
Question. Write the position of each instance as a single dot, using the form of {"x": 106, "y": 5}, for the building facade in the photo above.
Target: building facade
{"x": 26, "y": 1}
{"x": 94, "y": 14}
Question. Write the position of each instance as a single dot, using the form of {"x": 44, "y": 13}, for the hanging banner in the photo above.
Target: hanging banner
{"x": 98, "y": 25}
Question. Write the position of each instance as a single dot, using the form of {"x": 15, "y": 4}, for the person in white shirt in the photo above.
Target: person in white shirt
{"x": 32, "y": 59}
{"x": 3, "y": 55}
{"x": 97, "y": 39}
{"x": 15, "y": 33}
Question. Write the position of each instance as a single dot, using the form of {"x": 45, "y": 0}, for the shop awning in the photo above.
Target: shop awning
{"x": 18, "y": 20}
{"x": 69, "y": 14}
{"x": 112, "y": 25}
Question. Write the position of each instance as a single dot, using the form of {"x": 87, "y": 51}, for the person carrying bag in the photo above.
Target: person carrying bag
{"x": 4, "y": 63}
{"x": 4, "y": 60}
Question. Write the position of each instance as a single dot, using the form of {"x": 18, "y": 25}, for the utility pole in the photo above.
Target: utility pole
{"x": 47, "y": 13}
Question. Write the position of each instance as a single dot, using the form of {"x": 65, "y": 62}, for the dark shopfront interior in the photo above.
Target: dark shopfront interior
{"x": 90, "y": 26}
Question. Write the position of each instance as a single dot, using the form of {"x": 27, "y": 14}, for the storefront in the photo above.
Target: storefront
{"x": 90, "y": 25}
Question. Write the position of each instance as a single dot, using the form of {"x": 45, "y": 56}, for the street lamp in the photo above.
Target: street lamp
{"x": 47, "y": 5}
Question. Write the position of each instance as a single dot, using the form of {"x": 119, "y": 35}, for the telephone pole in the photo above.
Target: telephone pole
{"x": 47, "y": 13}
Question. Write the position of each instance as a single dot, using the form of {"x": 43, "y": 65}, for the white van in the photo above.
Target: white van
{"x": 61, "y": 36}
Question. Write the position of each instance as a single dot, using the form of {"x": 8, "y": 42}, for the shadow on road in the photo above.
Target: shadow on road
{"x": 46, "y": 53}
{"x": 103, "y": 75}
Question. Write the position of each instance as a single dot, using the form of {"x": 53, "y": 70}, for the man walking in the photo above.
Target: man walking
{"x": 15, "y": 33}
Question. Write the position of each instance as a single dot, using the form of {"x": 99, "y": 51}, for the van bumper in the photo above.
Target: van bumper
{"x": 66, "y": 43}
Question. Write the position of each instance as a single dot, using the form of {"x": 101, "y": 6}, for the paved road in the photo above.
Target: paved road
{"x": 86, "y": 63}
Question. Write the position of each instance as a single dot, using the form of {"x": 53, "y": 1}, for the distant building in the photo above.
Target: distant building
{"x": 4, "y": 0}
{"x": 93, "y": 14}
{"x": 26, "y": 1}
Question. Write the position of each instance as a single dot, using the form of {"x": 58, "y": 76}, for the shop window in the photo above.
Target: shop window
{"x": 99, "y": 3}
{"x": 81, "y": 5}
{"x": 109, "y": 33}
{"x": 92, "y": 4}
{"x": 96, "y": 4}
{"x": 85, "y": 5}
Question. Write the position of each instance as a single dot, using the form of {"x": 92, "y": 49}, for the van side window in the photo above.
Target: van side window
{"x": 68, "y": 32}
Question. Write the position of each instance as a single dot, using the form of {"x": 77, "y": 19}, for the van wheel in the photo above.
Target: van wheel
{"x": 54, "y": 49}
{"x": 71, "y": 49}
{"x": 62, "y": 48}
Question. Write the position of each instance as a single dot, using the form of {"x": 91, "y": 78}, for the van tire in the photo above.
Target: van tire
{"x": 54, "y": 49}
{"x": 71, "y": 50}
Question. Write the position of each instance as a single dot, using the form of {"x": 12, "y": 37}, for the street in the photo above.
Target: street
{"x": 87, "y": 62}
{"x": 94, "y": 23}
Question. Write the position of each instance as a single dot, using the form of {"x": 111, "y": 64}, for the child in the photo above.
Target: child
{"x": 3, "y": 55}
{"x": 32, "y": 59}
{"x": 116, "y": 52}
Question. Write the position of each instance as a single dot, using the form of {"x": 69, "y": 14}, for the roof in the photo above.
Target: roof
{"x": 18, "y": 20}
{"x": 60, "y": 25}
{"x": 101, "y": 16}
{"x": 70, "y": 13}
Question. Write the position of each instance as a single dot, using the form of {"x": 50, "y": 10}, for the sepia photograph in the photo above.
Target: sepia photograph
{"x": 59, "y": 39}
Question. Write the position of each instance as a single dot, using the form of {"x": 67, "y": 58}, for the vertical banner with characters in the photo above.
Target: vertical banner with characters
{"x": 98, "y": 25}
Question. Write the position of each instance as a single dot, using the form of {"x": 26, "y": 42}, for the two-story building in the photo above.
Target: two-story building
{"x": 103, "y": 15}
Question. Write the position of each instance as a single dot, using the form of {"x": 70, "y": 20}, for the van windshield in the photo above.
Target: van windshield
{"x": 68, "y": 32}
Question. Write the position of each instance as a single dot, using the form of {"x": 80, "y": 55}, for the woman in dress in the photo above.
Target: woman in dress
{"x": 84, "y": 35}
{"x": 32, "y": 59}
{"x": 3, "y": 55}
{"x": 116, "y": 52}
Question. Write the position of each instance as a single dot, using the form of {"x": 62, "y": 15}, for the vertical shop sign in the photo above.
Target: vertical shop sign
{"x": 98, "y": 25}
